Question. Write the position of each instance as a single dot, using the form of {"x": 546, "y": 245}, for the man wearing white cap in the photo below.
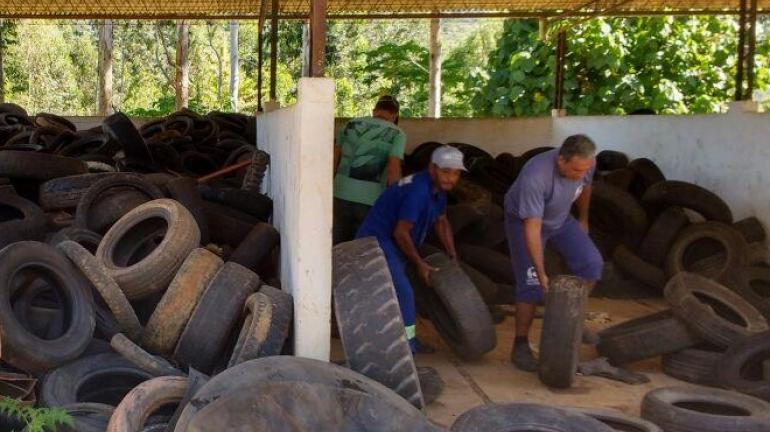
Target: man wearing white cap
{"x": 401, "y": 218}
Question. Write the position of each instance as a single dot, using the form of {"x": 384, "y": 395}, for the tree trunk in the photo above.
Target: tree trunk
{"x": 2, "y": 63}
{"x": 306, "y": 49}
{"x": 182, "y": 81}
{"x": 234, "y": 66}
{"x": 434, "y": 91}
{"x": 105, "y": 68}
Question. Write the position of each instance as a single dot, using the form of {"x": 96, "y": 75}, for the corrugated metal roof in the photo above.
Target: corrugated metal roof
{"x": 345, "y": 8}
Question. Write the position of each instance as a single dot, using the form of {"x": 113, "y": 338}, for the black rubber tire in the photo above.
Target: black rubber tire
{"x": 255, "y": 174}
{"x": 369, "y": 319}
{"x": 620, "y": 178}
{"x": 38, "y": 166}
{"x": 120, "y": 128}
{"x": 134, "y": 411}
{"x": 618, "y": 421}
{"x": 645, "y": 337}
{"x": 740, "y": 368}
{"x": 258, "y": 313}
{"x": 689, "y": 249}
{"x": 185, "y": 190}
{"x": 311, "y": 407}
{"x": 214, "y": 318}
{"x": 562, "y": 331}
{"x": 701, "y": 409}
{"x": 487, "y": 288}
{"x": 495, "y": 265}
{"x": 456, "y": 308}
{"x": 65, "y": 192}
{"x": 678, "y": 193}
{"x": 751, "y": 229}
{"x": 256, "y": 248}
{"x": 419, "y": 158}
{"x": 713, "y": 311}
{"x": 647, "y": 174}
{"x": 105, "y": 286}
{"x": 88, "y": 417}
{"x": 154, "y": 365}
{"x": 247, "y": 375}
{"x": 615, "y": 211}
{"x": 632, "y": 265}
{"x": 21, "y": 348}
{"x": 155, "y": 271}
{"x": 20, "y": 220}
{"x": 88, "y": 239}
{"x": 282, "y": 304}
{"x": 251, "y": 203}
{"x": 694, "y": 365}
{"x": 529, "y": 154}
{"x": 98, "y": 190}
{"x": 227, "y": 226}
{"x": 662, "y": 234}
{"x": 525, "y": 417}
{"x": 609, "y": 160}
{"x": 102, "y": 378}
{"x": 48, "y": 120}
{"x": 755, "y": 288}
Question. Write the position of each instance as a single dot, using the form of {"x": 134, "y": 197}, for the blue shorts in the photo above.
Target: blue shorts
{"x": 570, "y": 241}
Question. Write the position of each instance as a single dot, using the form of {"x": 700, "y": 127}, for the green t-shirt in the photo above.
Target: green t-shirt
{"x": 366, "y": 144}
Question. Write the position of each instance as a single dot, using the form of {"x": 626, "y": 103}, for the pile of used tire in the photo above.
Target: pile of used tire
{"x": 668, "y": 409}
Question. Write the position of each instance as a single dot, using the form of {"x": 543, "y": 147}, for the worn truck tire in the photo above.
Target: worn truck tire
{"x": 245, "y": 376}
{"x": 662, "y": 234}
{"x": 109, "y": 291}
{"x": 21, "y": 348}
{"x": 525, "y": 417}
{"x": 86, "y": 238}
{"x": 645, "y": 337}
{"x": 562, "y": 331}
{"x": 618, "y": 421}
{"x": 154, "y": 365}
{"x": 282, "y": 304}
{"x": 102, "y": 378}
{"x": 457, "y": 310}
{"x": 256, "y": 247}
{"x": 713, "y": 311}
{"x": 689, "y": 247}
{"x": 38, "y": 166}
{"x": 639, "y": 269}
{"x": 155, "y": 271}
{"x": 185, "y": 190}
{"x": 617, "y": 212}
{"x": 678, "y": 193}
{"x": 65, "y": 192}
{"x": 204, "y": 338}
{"x": 696, "y": 409}
{"x": 740, "y": 368}
{"x": 101, "y": 190}
{"x": 369, "y": 319}
{"x": 172, "y": 313}
{"x": 693, "y": 365}
{"x": 311, "y": 407}
{"x": 146, "y": 398}
{"x": 20, "y": 220}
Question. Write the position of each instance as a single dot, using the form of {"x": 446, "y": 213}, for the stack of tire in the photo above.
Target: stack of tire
{"x": 668, "y": 409}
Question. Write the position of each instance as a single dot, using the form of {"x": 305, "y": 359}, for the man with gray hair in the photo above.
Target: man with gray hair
{"x": 537, "y": 212}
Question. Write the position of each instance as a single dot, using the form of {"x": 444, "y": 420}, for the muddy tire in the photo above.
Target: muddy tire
{"x": 156, "y": 366}
{"x": 21, "y": 348}
{"x": 693, "y": 243}
{"x": 205, "y": 336}
{"x": 282, "y": 304}
{"x": 693, "y": 365}
{"x": 170, "y": 316}
{"x": 524, "y": 417}
{"x": 153, "y": 272}
{"x": 662, "y": 234}
{"x": 693, "y": 409}
{"x": 457, "y": 310}
{"x": 139, "y": 404}
{"x": 369, "y": 318}
{"x": 562, "y": 331}
{"x": 38, "y": 166}
{"x": 109, "y": 291}
{"x": 713, "y": 311}
{"x": 678, "y": 193}
{"x": 256, "y": 325}
{"x": 86, "y": 238}
{"x": 740, "y": 368}
{"x": 645, "y": 337}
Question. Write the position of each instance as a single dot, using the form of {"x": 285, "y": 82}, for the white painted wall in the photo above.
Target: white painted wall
{"x": 300, "y": 182}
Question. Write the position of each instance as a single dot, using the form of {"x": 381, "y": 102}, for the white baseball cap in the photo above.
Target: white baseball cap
{"x": 448, "y": 157}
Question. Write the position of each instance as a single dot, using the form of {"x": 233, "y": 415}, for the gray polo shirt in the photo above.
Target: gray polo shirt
{"x": 540, "y": 192}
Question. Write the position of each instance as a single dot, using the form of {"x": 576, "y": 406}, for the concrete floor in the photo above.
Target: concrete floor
{"x": 495, "y": 379}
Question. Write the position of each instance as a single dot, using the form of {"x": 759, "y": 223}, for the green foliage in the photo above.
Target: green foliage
{"x": 36, "y": 419}
{"x": 673, "y": 65}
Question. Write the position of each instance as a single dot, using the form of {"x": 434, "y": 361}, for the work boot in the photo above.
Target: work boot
{"x": 523, "y": 357}
{"x": 589, "y": 337}
{"x": 423, "y": 347}
{"x": 431, "y": 384}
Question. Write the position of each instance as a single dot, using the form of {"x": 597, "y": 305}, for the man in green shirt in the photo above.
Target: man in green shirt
{"x": 367, "y": 159}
